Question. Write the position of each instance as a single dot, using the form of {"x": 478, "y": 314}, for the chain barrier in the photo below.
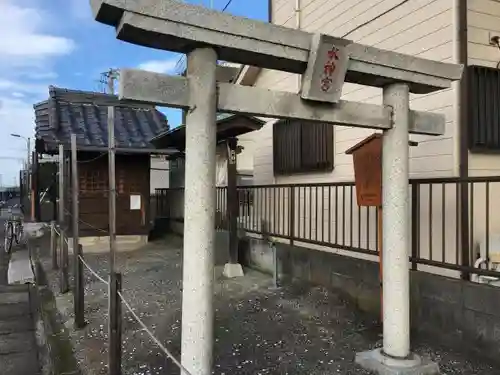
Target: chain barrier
{"x": 132, "y": 312}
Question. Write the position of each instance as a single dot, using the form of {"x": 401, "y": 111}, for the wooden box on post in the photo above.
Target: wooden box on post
{"x": 367, "y": 159}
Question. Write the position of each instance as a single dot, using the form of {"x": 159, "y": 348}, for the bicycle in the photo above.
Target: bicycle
{"x": 14, "y": 231}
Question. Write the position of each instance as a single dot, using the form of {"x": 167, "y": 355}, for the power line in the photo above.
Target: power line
{"x": 179, "y": 62}
{"x": 375, "y": 18}
{"x": 227, "y": 5}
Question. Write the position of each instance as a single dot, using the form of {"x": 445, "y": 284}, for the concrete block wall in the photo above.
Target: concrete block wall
{"x": 453, "y": 311}
{"x": 221, "y": 255}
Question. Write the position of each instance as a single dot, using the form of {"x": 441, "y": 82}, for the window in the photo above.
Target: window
{"x": 127, "y": 180}
{"x": 302, "y": 146}
{"x": 93, "y": 180}
{"x": 484, "y": 109}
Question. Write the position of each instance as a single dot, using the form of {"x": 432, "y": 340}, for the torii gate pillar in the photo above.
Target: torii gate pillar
{"x": 395, "y": 356}
{"x": 199, "y": 214}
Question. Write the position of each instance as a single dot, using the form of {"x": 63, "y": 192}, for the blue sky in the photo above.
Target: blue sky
{"x": 56, "y": 42}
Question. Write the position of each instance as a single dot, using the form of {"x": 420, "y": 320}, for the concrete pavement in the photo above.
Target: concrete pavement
{"x": 18, "y": 346}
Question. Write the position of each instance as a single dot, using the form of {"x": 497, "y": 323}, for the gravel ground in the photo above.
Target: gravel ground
{"x": 258, "y": 330}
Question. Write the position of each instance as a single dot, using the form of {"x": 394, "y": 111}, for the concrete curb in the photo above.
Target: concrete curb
{"x": 55, "y": 346}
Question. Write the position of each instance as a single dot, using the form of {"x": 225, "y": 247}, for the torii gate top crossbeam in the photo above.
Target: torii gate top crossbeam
{"x": 175, "y": 26}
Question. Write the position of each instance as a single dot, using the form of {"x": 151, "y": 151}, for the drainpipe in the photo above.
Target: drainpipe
{"x": 298, "y": 26}
{"x": 462, "y": 117}
{"x": 270, "y": 11}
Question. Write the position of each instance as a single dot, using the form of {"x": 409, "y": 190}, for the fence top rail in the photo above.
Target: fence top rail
{"x": 413, "y": 181}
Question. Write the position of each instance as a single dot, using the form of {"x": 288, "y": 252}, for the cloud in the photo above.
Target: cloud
{"x": 29, "y": 48}
{"x": 159, "y": 66}
{"x": 33, "y": 89}
{"x": 24, "y": 41}
{"x": 40, "y": 75}
{"x": 16, "y": 115}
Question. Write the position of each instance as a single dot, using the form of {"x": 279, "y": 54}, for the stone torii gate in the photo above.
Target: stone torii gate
{"x": 325, "y": 63}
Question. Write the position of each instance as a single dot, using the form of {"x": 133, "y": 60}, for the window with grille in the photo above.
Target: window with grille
{"x": 93, "y": 180}
{"x": 302, "y": 146}
{"x": 127, "y": 182}
{"x": 484, "y": 111}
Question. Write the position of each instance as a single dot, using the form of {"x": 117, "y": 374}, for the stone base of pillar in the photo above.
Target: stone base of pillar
{"x": 377, "y": 362}
{"x": 232, "y": 270}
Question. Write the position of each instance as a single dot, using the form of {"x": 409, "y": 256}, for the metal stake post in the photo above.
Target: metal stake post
{"x": 199, "y": 208}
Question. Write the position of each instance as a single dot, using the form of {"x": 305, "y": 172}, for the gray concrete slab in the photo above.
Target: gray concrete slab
{"x": 9, "y": 312}
{"x": 25, "y": 363}
{"x": 13, "y": 298}
{"x": 20, "y": 271}
{"x": 16, "y": 325}
{"x": 16, "y": 342}
{"x": 18, "y": 347}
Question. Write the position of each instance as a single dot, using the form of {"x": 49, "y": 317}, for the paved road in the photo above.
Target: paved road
{"x": 18, "y": 349}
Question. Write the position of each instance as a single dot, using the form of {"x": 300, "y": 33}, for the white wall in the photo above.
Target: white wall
{"x": 483, "y": 23}
{"x": 422, "y": 28}
{"x": 159, "y": 178}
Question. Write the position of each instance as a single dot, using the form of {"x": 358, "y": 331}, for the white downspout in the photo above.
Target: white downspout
{"x": 456, "y": 88}
{"x": 298, "y": 26}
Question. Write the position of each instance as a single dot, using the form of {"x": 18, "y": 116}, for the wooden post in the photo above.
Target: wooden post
{"x": 291, "y": 214}
{"x": 379, "y": 246}
{"x": 74, "y": 225}
{"x": 79, "y": 296}
{"x": 36, "y": 187}
{"x": 415, "y": 225}
{"x": 64, "y": 279}
{"x": 232, "y": 200}
{"x": 53, "y": 245}
{"x": 115, "y": 324}
{"x": 367, "y": 157}
{"x": 60, "y": 217}
{"x": 75, "y": 195}
{"x": 32, "y": 194}
{"x": 114, "y": 329}
{"x": 112, "y": 188}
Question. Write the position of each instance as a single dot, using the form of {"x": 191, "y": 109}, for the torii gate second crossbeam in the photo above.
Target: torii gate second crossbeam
{"x": 325, "y": 63}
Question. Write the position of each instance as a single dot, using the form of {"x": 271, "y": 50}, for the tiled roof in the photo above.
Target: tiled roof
{"x": 85, "y": 114}
{"x": 226, "y": 128}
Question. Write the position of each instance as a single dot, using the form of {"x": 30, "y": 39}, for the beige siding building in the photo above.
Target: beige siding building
{"x": 429, "y": 29}
{"x": 483, "y": 23}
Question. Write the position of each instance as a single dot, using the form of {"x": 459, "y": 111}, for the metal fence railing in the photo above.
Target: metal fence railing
{"x": 454, "y": 221}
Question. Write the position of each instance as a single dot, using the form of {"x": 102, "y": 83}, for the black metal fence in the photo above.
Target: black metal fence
{"x": 454, "y": 221}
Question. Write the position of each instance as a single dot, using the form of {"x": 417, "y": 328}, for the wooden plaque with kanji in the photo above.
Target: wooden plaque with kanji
{"x": 367, "y": 158}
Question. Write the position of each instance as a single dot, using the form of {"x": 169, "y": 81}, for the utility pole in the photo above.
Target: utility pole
{"x": 111, "y": 76}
